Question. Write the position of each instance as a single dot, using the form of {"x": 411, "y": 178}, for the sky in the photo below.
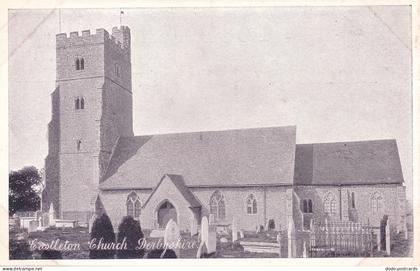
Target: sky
{"x": 337, "y": 73}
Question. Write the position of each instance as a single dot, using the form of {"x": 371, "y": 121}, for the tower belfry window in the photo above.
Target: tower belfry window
{"x": 80, "y": 63}
{"x": 79, "y": 145}
{"x": 79, "y": 103}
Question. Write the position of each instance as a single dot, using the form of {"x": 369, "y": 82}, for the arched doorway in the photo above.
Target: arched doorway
{"x": 166, "y": 212}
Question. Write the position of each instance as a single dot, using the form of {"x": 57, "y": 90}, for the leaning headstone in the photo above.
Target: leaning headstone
{"x": 171, "y": 237}
{"x": 291, "y": 240}
{"x": 234, "y": 230}
{"x": 208, "y": 235}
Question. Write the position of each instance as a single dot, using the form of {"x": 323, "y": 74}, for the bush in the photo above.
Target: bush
{"x": 130, "y": 230}
{"x": 102, "y": 237}
{"x": 19, "y": 250}
{"x": 51, "y": 254}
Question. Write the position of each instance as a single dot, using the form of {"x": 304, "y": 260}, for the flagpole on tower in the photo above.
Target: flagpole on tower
{"x": 121, "y": 14}
{"x": 59, "y": 20}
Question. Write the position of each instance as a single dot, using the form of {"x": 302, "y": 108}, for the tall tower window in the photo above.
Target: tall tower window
{"x": 79, "y": 144}
{"x": 117, "y": 70}
{"x": 79, "y": 103}
{"x": 80, "y": 63}
{"x": 77, "y": 63}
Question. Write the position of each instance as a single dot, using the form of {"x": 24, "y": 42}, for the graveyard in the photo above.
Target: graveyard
{"x": 211, "y": 241}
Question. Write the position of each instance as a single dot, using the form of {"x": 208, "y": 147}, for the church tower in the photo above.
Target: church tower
{"x": 91, "y": 108}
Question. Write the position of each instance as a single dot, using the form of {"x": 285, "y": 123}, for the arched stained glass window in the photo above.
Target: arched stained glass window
{"x": 133, "y": 205}
{"x": 330, "y": 204}
{"x": 217, "y": 206}
{"x": 251, "y": 204}
{"x": 376, "y": 202}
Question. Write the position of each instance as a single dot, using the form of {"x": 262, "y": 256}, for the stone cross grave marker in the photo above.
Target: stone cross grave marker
{"x": 171, "y": 236}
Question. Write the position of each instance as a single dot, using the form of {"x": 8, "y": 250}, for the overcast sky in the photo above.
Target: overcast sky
{"x": 337, "y": 73}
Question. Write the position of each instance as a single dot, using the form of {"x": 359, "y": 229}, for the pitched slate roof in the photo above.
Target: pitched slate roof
{"x": 179, "y": 183}
{"x": 218, "y": 158}
{"x": 346, "y": 163}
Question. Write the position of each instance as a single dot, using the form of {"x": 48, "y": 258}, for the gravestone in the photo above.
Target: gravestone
{"x": 278, "y": 239}
{"x": 241, "y": 234}
{"x": 234, "y": 230}
{"x": 171, "y": 236}
{"x": 45, "y": 220}
{"x": 91, "y": 221}
{"x": 208, "y": 235}
{"x": 382, "y": 231}
{"x": 51, "y": 215}
{"x": 33, "y": 225}
{"x": 305, "y": 251}
{"x": 388, "y": 239}
{"x": 291, "y": 240}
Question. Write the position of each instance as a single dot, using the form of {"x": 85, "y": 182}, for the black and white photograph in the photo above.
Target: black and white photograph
{"x": 210, "y": 132}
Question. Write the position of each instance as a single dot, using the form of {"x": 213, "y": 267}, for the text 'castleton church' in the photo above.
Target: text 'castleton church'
{"x": 260, "y": 176}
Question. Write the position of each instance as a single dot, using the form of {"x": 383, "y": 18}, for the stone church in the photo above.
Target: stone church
{"x": 259, "y": 176}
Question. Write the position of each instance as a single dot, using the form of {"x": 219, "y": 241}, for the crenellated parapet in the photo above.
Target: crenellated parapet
{"x": 118, "y": 41}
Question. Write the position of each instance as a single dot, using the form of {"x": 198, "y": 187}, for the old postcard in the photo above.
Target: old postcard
{"x": 210, "y": 132}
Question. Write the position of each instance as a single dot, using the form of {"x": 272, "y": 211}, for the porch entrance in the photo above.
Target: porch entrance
{"x": 166, "y": 212}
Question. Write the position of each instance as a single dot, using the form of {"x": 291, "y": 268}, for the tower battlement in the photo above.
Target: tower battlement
{"x": 119, "y": 40}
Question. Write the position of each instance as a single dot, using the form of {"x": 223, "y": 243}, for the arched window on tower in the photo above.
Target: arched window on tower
{"x": 133, "y": 205}
{"x": 77, "y": 104}
{"x": 217, "y": 206}
{"x": 82, "y": 64}
{"x": 82, "y": 103}
{"x": 79, "y": 145}
{"x": 251, "y": 205}
{"x": 77, "y": 64}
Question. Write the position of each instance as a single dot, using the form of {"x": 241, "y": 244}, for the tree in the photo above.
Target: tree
{"x": 22, "y": 194}
{"x": 103, "y": 237}
{"x": 130, "y": 230}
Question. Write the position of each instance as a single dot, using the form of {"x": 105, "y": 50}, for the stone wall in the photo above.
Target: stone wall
{"x": 363, "y": 208}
